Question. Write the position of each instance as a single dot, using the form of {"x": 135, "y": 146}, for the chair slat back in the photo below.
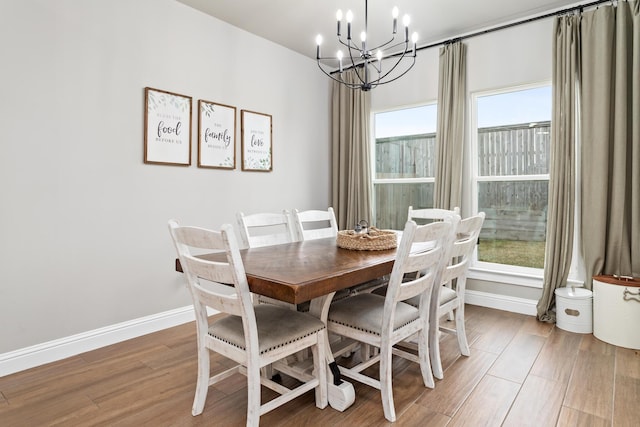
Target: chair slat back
{"x": 306, "y": 224}
{"x": 265, "y": 229}
{"x": 425, "y": 216}
{"x": 219, "y": 276}
{"x": 466, "y": 239}
{"x": 422, "y": 248}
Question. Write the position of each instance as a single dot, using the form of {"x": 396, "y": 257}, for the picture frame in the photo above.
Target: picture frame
{"x": 257, "y": 144}
{"x": 167, "y": 128}
{"x": 216, "y": 135}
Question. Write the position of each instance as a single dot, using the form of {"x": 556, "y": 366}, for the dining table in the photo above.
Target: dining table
{"x": 302, "y": 271}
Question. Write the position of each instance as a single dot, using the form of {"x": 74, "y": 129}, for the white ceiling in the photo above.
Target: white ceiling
{"x": 295, "y": 23}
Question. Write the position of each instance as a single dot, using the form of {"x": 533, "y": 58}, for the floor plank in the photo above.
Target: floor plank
{"x": 557, "y": 357}
{"x": 537, "y": 404}
{"x": 626, "y": 410}
{"x": 573, "y": 418}
{"x": 516, "y": 360}
{"x": 459, "y": 381}
{"x": 590, "y": 389}
{"x": 488, "y": 404}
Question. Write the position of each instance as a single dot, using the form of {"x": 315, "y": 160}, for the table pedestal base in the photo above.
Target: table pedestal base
{"x": 341, "y": 396}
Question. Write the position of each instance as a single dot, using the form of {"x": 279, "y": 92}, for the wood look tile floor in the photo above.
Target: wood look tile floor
{"x": 520, "y": 373}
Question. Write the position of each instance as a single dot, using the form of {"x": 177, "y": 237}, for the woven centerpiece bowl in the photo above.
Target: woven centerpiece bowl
{"x": 374, "y": 240}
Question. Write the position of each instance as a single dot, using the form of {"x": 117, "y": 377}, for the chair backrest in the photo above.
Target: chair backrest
{"x": 315, "y": 224}
{"x": 423, "y": 248}
{"x": 215, "y": 292}
{"x": 265, "y": 229}
{"x": 425, "y": 216}
{"x": 465, "y": 241}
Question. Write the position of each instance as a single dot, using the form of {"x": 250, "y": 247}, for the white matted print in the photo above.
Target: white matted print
{"x": 256, "y": 141}
{"x": 167, "y": 128}
{"x": 217, "y": 135}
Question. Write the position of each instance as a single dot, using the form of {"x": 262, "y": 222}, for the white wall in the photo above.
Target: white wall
{"x": 83, "y": 235}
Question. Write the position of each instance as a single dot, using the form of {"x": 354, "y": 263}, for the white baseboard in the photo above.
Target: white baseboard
{"x": 29, "y": 357}
{"x": 502, "y": 302}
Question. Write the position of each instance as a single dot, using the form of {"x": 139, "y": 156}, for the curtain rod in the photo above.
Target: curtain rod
{"x": 579, "y": 7}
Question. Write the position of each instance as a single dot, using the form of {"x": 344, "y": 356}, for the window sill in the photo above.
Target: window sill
{"x": 514, "y": 278}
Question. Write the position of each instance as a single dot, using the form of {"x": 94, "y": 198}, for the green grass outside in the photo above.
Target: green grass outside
{"x": 512, "y": 252}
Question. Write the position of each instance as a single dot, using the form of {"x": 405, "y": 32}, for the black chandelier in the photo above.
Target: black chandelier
{"x": 367, "y": 65}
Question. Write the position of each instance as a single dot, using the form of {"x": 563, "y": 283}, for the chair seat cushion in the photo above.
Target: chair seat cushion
{"x": 277, "y": 326}
{"x": 364, "y": 312}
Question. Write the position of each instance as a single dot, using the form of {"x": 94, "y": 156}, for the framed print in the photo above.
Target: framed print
{"x": 256, "y": 141}
{"x": 216, "y": 135}
{"x": 167, "y": 128}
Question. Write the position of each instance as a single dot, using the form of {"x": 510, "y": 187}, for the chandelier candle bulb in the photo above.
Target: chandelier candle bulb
{"x": 349, "y": 19}
{"x": 363, "y": 37}
{"x": 318, "y": 43}
{"x": 339, "y": 55}
{"x": 339, "y": 18}
{"x": 394, "y": 14}
{"x": 405, "y": 21}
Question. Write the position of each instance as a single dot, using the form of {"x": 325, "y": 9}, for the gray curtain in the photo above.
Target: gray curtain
{"x": 560, "y": 218}
{"x": 450, "y": 128}
{"x": 611, "y": 140}
{"x": 352, "y": 186}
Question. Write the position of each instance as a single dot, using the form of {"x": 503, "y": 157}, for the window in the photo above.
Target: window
{"x": 511, "y": 175}
{"x": 404, "y": 157}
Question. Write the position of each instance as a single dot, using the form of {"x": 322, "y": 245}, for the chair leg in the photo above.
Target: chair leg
{"x": 460, "y": 331}
{"x": 253, "y": 394}
{"x": 320, "y": 371}
{"x": 202, "y": 384}
{"x": 434, "y": 347}
{"x": 386, "y": 390}
{"x": 365, "y": 352}
{"x": 425, "y": 363}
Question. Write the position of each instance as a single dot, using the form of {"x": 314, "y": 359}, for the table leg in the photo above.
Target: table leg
{"x": 341, "y": 393}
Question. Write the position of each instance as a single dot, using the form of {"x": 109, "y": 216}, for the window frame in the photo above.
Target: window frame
{"x": 375, "y": 181}
{"x": 481, "y": 270}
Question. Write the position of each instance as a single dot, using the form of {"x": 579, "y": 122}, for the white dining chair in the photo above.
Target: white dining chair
{"x": 314, "y": 224}
{"x": 265, "y": 229}
{"x": 428, "y": 215}
{"x": 252, "y": 336}
{"x": 384, "y": 321}
{"x": 449, "y": 298}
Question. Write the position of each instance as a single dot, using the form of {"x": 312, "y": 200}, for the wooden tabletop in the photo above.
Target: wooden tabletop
{"x": 300, "y": 271}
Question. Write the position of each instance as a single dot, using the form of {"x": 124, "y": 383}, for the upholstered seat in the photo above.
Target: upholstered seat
{"x": 364, "y": 311}
{"x": 276, "y": 328}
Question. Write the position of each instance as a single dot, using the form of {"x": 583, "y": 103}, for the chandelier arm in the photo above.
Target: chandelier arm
{"x": 398, "y": 63}
{"x": 380, "y": 46}
{"x": 349, "y": 85}
{"x": 405, "y": 43}
{"x": 378, "y": 82}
